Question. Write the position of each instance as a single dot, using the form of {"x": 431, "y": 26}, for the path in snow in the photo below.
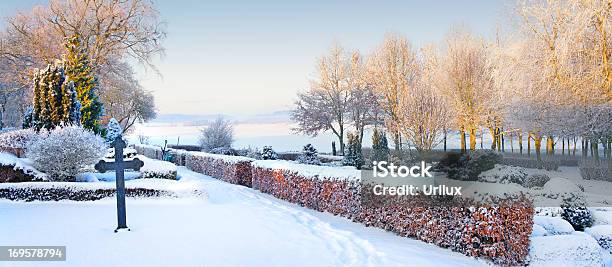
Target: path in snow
{"x": 235, "y": 226}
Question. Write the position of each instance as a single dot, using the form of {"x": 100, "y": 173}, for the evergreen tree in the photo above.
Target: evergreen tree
{"x": 380, "y": 146}
{"x": 80, "y": 71}
{"x": 268, "y": 153}
{"x": 352, "y": 154}
{"x": 55, "y": 100}
{"x": 309, "y": 156}
{"x": 113, "y": 130}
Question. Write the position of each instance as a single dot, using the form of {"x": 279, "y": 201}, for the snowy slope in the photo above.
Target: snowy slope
{"x": 234, "y": 226}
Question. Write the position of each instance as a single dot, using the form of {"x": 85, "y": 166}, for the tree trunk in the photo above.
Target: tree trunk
{"x": 550, "y": 145}
{"x": 445, "y": 140}
{"x": 473, "y": 139}
{"x": 462, "y": 137}
{"x": 481, "y": 138}
{"x": 574, "y": 151}
{"x": 562, "y": 146}
{"x": 538, "y": 146}
{"x": 493, "y": 138}
{"x": 595, "y": 148}
{"x": 529, "y": 144}
{"x": 503, "y": 145}
{"x": 520, "y": 139}
{"x": 511, "y": 143}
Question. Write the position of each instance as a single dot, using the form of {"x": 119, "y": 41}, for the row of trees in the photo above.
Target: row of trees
{"x": 550, "y": 79}
{"x": 110, "y": 33}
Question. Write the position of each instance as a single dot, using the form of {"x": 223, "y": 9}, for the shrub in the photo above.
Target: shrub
{"x": 16, "y": 142}
{"x": 578, "y": 216}
{"x": 224, "y": 151}
{"x": 504, "y": 174}
{"x": 467, "y": 166}
{"x": 113, "y": 130}
{"x": 157, "y": 169}
{"x": 268, "y": 153}
{"x": 352, "y": 155}
{"x": 220, "y": 134}
{"x": 380, "y": 146}
{"x": 536, "y": 180}
{"x": 309, "y": 156}
{"x": 593, "y": 169}
{"x": 65, "y": 152}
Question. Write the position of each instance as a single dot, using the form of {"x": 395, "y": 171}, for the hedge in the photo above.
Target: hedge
{"x": 149, "y": 151}
{"x": 498, "y": 232}
{"x": 231, "y": 169}
{"x": 67, "y": 193}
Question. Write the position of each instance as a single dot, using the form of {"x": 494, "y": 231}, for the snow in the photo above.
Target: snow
{"x": 7, "y": 159}
{"x": 226, "y": 158}
{"x": 156, "y": 166}
{"x": 600, "y": 232}
{"x": 538, "y": 231}
{"x": 234, "y": 226}
{"x": 553, "y": 225}
{"x": 311, "y": 171}
{"x": 577, "y": 249}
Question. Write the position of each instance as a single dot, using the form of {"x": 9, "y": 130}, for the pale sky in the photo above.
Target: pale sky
{"x": 251, "y": 57}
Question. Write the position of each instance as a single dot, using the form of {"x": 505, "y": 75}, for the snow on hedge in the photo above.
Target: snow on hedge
{"x": 577, "y": 249}
{"x": 226, "y": 158}
{"x": 157, "y": 168}
{"x": 311, "y": 171}
{"x": 602, "y": 234}
{"x": 21, "y": 164}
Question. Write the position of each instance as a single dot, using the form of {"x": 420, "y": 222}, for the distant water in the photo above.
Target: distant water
{"x": 275, "y": 134}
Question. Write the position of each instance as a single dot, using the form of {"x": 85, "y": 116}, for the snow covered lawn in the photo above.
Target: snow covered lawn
{"x": 233, "y": 226}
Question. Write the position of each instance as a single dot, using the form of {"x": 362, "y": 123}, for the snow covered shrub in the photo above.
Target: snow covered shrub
{"x": 602, "y": 234}
{"x": 218, "y": 134}
{"x": 594, "y": 169}
{"x": 467, "y": 166}
{"x": 113, "y": 130}
{"x": 65, "y": 152}
{"x": 157, "y": 169}
{"x": 536, "y": 180}
{"x": 15, "y": 170}
{"x": 554, "y": 225}
{"x": 352, "y": 154}
{"x": 224, "y": 151}
{"x": 578, "y": 249}
{"x": 549, "y": 163}
{"x": 17, "y": 141}
{"x": 268, "y": 153}
{"x": 504, "y": 175}
{"x": 309, "y": 156}
{"x": 63, "y": 109}
{"x": 578, "y": 216}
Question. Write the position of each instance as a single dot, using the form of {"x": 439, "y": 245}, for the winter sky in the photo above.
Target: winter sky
{"x": 251, "y": 57}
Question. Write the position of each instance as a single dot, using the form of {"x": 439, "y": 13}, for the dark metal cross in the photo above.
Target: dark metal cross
{"x": 119, "y": 166}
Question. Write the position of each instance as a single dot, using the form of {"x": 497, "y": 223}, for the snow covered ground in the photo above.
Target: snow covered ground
{"x": 232, "y": 226}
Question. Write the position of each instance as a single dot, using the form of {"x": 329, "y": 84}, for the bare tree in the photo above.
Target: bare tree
{"x": 393, "y": 70}
{"x": 467, "y": 82}
{"x": 219, "y": 134}
{"x": 326, "y": 105}
{"x": 124, "y": 98}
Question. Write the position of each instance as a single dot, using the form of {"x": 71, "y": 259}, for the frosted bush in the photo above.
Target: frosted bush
{"x": 536, "y": 180}
{"x": 309, "y": 156}
{"x": 220, "y": 134}
{"x": 65, "y": 152}
{"x": 113, "y": 130}
{"x": 268, "y": 153}
{"x": 18, "y": 139}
